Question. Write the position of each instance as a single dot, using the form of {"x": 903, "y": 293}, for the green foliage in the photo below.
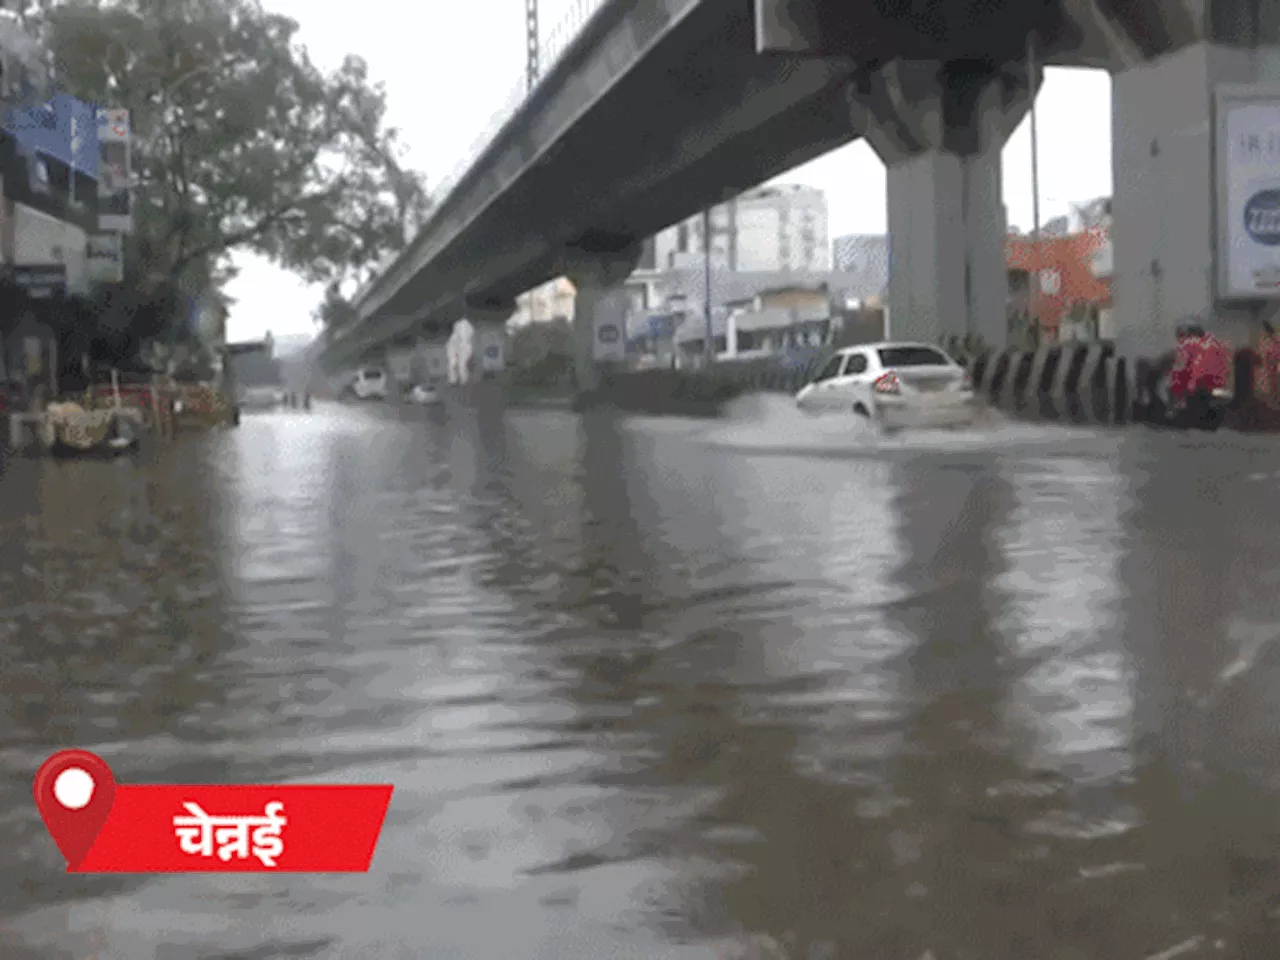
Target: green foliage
{"x": 240, "y": 141}
{"x": 542, "y": 354}
{"x": 334, "y": 310}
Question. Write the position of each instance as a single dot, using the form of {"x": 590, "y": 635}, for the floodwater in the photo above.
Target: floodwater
{"x": 658, "y": 688}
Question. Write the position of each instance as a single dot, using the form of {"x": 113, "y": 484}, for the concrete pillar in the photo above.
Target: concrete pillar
{"x": 1164, "y": 207}
{"x": 600, "y": 302}
{"x": 489, "y": 351}
{"x": 940, "y": 128}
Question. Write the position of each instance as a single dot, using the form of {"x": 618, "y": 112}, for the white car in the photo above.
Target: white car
{"x": 369, "y": 384}
{"x": 894, "y": 385}
{"x": 424, "y": 395}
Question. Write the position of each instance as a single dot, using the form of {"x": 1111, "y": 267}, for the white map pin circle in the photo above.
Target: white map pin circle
{"x": 73, "y": 788}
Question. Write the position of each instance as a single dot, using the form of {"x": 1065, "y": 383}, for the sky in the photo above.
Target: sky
{"x": 446, "y": 73}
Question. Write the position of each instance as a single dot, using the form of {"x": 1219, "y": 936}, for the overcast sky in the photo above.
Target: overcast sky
{"x": 447, "y": 72}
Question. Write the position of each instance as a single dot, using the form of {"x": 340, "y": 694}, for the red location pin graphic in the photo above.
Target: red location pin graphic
{"x": 74, "y": 790}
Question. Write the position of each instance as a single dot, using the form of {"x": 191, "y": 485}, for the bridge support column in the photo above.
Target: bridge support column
{"x": 599, "y": 311}
{"x": 1165, "y": 233}
{"x": 489, "y": 343}
{"x": 940, "y": 129}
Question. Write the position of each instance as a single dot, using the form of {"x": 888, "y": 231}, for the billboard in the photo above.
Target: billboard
{"x": 491, "y": 341}
{"x": 64, "y": 129}
{"x": 40, "y": 281}
{"x": 115, "y": 173}
{"x": 609, "y": 327}
{"x": 436, "y": 360}
{"x": 104, "y": 255}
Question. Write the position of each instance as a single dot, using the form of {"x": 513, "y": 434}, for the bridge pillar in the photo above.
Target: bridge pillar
{"x": 1165, "y": 204}
{"x": 489, "y": 349}
{"x": 940, "y": 128}
{"x": 599, "y": 310}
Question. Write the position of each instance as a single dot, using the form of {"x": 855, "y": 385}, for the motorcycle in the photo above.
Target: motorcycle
{"x": 1193, "y": 391}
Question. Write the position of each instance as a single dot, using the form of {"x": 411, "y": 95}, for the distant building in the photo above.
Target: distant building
{"x": 553, "y": 299}
{"x": 756, "y": 313}
{"x": 773, "y": 228}
{"x": 1073, "y": 300}
{"x": 865, "y": 256}
{"x": 252, "y": 364}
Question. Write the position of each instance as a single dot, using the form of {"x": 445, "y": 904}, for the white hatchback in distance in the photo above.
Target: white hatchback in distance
{"x": 369, "y": 384}
{"x": 894, "y": 385}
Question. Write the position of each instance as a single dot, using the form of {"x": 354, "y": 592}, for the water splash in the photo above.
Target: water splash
{"x": 772, "y": 424}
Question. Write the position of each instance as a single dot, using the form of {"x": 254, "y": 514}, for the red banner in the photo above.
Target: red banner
{"x": 102, "y": 827}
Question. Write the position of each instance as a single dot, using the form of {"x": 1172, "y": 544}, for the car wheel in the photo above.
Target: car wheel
{"x": 861, "y": 410}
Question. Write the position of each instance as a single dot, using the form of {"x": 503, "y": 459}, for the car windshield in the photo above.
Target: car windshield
{"x": 891, "y": 357}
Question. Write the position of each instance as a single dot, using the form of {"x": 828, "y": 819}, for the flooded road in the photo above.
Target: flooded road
{"x": 665, "y": 689}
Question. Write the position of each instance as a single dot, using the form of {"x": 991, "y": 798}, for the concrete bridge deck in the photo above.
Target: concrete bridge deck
{"x": 660, "y": 108}
{"x": 657, "y": 109}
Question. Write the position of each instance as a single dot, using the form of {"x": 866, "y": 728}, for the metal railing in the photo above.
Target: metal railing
{"x": 550, "y": 52}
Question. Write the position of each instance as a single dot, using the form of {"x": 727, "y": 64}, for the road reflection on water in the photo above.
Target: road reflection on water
{"x": 653, "y": 688}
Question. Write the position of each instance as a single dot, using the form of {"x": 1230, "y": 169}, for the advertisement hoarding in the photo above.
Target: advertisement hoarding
{"x": 1248, "y": 162}
{"x": 491, "y": 347}
{"x": 40, "y": 281}
{"x": 610, "y": 328}
{"x": 436, "y": 361}
{"x": 64, "y": 129}
{"x": 115, "y": 173}
{"x": 104, "y": 255}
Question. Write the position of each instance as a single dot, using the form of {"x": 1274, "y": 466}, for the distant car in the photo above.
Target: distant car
{"x": 260, "y": 398}
{"x": 424, "y": 395}
{"x": 369, "y": 384}
{"x": 894, "y": 385}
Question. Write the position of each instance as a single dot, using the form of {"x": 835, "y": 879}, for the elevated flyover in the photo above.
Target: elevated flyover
{"x": 659, "y": 108}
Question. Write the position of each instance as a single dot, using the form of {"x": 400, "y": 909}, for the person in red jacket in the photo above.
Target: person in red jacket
{"x": 1186, "y": 354}
{"x": 1204, "y": 366}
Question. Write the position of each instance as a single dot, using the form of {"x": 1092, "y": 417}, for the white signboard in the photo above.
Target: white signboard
{"x": 104, "y": 254}
{"x": 115, "y": 171}
{"x": 609, "y": 343}
{"x": 1248, "y": 156}
{"x": 437, "y": 361}
{"x": 490, "y": 348}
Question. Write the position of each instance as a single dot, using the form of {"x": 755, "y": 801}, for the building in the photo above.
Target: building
{"x": 865, "y": 256}
{"x": 772, "y": 228}
{"x": 756, "y": 313}
{"x": 553, "y": 299}
{"x": 1073, "y": 271}
{"x": 48, "y": 209}
{"x": 252, "y": 364}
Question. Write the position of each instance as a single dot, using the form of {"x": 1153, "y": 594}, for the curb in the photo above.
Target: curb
{"x": 1086, "y": 383}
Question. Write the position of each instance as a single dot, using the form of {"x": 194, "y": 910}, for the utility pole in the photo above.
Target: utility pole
{"x": 1033, "y": 285}
{"x": 532, "y": 65}
{"x": 709, "y": 342}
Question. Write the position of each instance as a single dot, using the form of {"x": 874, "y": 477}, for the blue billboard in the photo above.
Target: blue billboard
{"x": 64, "y": 129}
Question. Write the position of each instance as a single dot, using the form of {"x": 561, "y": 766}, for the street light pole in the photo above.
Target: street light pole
{"x": 1034, "y": 278}
{"x": 709, "y": 342}
{"x": 532, "y": 65}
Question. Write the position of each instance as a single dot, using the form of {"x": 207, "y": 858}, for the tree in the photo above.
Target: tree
{"x": 240, "y": 142}
{"x": 334, "y": 310}
{"x": 542, "y": 354}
